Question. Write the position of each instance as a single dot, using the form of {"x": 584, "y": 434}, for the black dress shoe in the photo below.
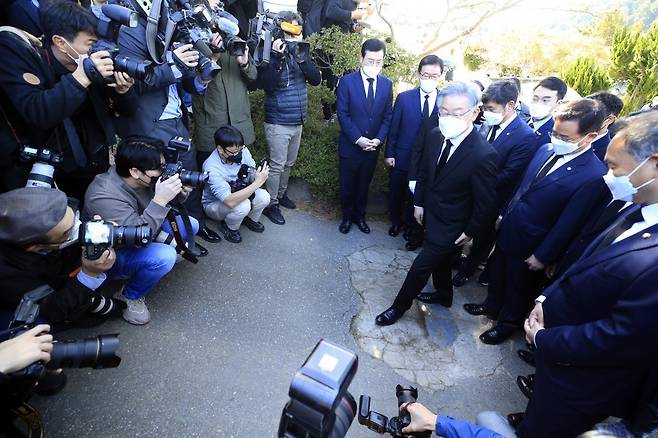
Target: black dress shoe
{"x": 526, "y": 384}
{"x": 230, "y": 235}
{"x": 202, "y": 251}
{"x": 478, "y": 309}
{"x": 483, "y": 279}
{"x": 459, "y": 279}
{"x": 286, "y": 202}
{"x": 208, "y": 235}
{"x": 254, "y": 226}
{"x": 515, "y": 419}
{"x": 394, "y": 230}
{"x": 345, "y": 226}
{"x": 362, "y": 225}
{"x": 497, "y": 335}
{"x": 273, "y": 213}
{"x": 442, "y": 298}
{"x": 527, "y": 357}
{"x": 389, "y": 316}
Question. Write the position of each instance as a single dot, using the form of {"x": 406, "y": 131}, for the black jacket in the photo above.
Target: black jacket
{"x": 461, "y": 198}
{"x": 338, "y": 13}
{"x": 421, "y": 147}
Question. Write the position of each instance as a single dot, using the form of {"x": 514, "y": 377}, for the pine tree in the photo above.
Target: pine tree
{"x": 586, "y": 77}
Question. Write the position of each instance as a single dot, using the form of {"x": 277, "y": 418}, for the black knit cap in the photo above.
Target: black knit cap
{"x": 27, "y": 214}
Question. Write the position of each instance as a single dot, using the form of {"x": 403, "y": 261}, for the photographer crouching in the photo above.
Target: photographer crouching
{"x": 134, "y": 192}
{"x": 48, "y": 98}
{"x": 233, "y": 194}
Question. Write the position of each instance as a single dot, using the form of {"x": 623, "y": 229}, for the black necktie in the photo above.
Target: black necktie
{"x": 444, "y": 158}
{"x": 548, "y": 166}
{"x": 426, "y": 107}
{"x": 492, "y": 134}
{"x": 621, "y": 227}
{"x": 371, "y": 93}
{"x": 608, "y": 215}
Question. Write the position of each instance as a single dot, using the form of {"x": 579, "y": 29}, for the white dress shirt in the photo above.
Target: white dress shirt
{"x": 431, "y": 101}
{"x": 539, "y": 123}
{"x": 650, "y": 216}
{"x": 455, "y": 144}
{"x": 366, "y": 84}
{"x": 564, "y": 159}
{"x": 502, "y": 126}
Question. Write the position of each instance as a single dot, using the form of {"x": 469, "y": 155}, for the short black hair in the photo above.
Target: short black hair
{"x": 430, "y": 60}
{"x": 143, "y": 153}
{"x": 373, "y": 45}
{"x": 228, "y": 136}
{"x": 612, "y": 104}
{"x": 501, "y": 92}
{"x": 65, "y": 18}
{"x": 587, "y": 112}
{"x": 555, "y": 84}
{"x": 516, "y": 81}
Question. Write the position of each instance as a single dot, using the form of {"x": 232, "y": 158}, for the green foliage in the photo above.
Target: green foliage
{"x": 474, "y": 57}
{"x": 509, "y": 70}
{"x": 586, "y": 77}
{"x": 622, "y": 52}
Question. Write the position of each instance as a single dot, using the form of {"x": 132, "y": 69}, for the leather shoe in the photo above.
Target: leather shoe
{"x": 273, "y": 213}
{"x": 527, "y": 357}
{"x": 497, "y": 335}
{"x": 286, "y": 202}
{"x": 345, "y": 226}
{"x": 442, "y": 298}
{"x": 254, "y": 226}
{"x": 394, "y": 230}
{"x": 207, "y": 234}
{"x": 478, "y": 309}
{"x": 459, "y": 279}
{"x": 202, "y": 251}
{"x": 362, "y": 225}
{"x": 515, "y": 419}
{"x": 389, "y": 316}
{"x": 525, "y": 384}
{"x": 483, "y": 279}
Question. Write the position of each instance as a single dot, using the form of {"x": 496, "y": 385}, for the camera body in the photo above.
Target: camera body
{"x": 111, "y": 19}
{"x": 381, "y": 424}
{"x": 268, "y": 27}
{"x": 246, "y": 176}
{"x": 173, "y": 165}
{"x": 44, "y": 161}
{"x": 97, "y": 236}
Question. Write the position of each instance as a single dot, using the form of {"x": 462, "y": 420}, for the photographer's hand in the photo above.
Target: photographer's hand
{"x": 186, "y": 55}
{"x": 94, "y": 268}
{"x": 103, "y": 63}
{"x": 243, "y": 60}
{"x": 262, "y": 174}
{"x": 278, "y": 46}
{"x": 25, "y": 349}
{"x": 422, "y": 419}
{"x": 167, "y": 190}
{"x": 122, "y": 82}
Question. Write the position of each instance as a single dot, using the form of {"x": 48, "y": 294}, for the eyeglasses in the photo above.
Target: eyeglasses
{"x": 432, "y": 77}
{"x": 230, "y": 153}
{"x": 459, "y": 116}
{"x": 373, "y": 62}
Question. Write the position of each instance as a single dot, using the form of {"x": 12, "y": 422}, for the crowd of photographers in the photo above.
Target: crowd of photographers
{"x": 103, "y": 188}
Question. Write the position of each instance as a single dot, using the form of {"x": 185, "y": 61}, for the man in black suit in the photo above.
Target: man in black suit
{"x": 455, "y": 191}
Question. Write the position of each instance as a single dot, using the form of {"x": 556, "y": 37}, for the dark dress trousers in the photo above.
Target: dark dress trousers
{"x": 458, "y": 199}
{"x": 358, "y": 119}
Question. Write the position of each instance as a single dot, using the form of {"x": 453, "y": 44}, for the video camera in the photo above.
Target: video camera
{"x": 96, "y": 236}
{"x": 173, "y": 165}
{"x": 43, "y": 168}
{"x": 268, "y": 27}
{"x": 97, "y": 352}
{"x": 111, "y": 19}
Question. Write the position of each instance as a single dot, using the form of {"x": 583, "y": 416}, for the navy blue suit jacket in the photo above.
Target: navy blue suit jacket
{"x": 405, "y": 124}
{"x": 355, "y": 118}
{"x": 24, "y": 15}
{"x": 599, "y": 343}
{"x": 543, "y": 134}
{"x": 516, "y": 146}
{"x": 600, "y": 146}
{"x": 542, "y": 217}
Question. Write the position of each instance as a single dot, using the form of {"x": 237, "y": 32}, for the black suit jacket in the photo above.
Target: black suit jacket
{"x": 421, "y": 146}
{"x": 461, "y": 198}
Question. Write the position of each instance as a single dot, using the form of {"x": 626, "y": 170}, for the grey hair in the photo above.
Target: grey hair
{"x": 455, "y": 88}
{"x": 640, "y": 134}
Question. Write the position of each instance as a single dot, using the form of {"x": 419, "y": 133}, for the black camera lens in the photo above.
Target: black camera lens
{"x": 197, "y": 180}
{"x": 132, "y": 236}
{"x": 132, "y": 68}
{"x": 207, "y": 69}
{"x": 406, "y": 394}
{"x": 344, "y": 415}
{"x": 235, "y": 46}
{"x": 98, "y": 352}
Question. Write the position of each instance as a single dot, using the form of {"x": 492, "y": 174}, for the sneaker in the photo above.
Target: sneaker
{"x": 274, "y": 214}
{"x": 286, "y": 202}
{"x": 230, "y": 235}
{"x": 254, "y": 226}
{"x": 136, "y": 313}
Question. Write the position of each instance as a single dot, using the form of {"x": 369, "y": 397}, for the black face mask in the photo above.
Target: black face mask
{"x": 236, "y": 159}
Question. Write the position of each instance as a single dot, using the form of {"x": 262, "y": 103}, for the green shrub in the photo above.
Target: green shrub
{"x": 585, "y": 76}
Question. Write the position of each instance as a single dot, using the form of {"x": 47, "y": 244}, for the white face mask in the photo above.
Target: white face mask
{"x": 452, "y": 127}
{"x": 561, "y": 147}
{"x": 76, "y": 60}
{"x": 371, "y": 71}
{"x": 539, "y": 111}
{"x": 493, "y": 118}
{"x": 621, "y": 187}
{"x": 428, "y": 85}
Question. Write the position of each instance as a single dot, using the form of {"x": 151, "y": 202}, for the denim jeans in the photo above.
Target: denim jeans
{"x": 144, "y": 267}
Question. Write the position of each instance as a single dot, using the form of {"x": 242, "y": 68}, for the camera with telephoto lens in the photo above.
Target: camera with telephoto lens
{"x": 97, "y": 352}
{"x": 268, "y": 27}
{"x": 43, "y": 168}
{"x": 393, "y": 426}
{"x": 217, "y": 19}
{"x": 173, "y": 165}
{"x": 320, "y": 405}
{"x": 97, "y": 236}
{"x": 246, "y": 176}
{"x": 111, "y": 19}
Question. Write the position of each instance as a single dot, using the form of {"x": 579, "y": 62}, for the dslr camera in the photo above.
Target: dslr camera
{"x": 43, "y": 168}
{"x": 111, "y": 19}
{"x": 173, "y": 165}
{"x": 246, "y": 175}
{"x": 268, "y": 27}
{"x": 96, "y": 236}
{"x": 393, "y": 426}
{"x": 97, "y": 352}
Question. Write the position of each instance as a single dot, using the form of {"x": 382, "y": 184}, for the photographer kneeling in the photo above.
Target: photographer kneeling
{"x": 132, "y": 193}
{"x": 233, "y": 192}
{"x": 35, "y": 224}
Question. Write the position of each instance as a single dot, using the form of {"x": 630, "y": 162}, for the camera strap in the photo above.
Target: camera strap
{"x": 152, "y": 33}
{"x": 188, "y": 248}
{"x": 32, "y": 419}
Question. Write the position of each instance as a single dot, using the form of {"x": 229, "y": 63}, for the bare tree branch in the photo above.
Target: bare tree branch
{"x": 378, "y": 7}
